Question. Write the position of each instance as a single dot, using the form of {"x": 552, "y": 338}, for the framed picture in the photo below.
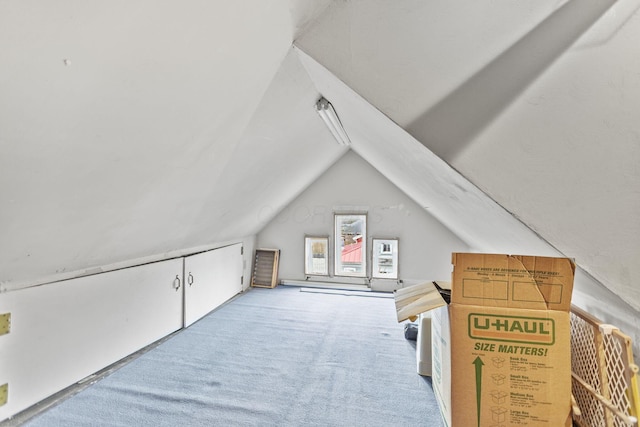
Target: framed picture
{"x": 316, "y": 256}
{"x": 384, "y": 259}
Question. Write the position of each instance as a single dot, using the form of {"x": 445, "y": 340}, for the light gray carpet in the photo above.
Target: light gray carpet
{"x": 271, "y": 357}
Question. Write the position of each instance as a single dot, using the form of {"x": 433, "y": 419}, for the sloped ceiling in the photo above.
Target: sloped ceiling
{"x": 122, "y": 123}
{"x": 133, "y": 129}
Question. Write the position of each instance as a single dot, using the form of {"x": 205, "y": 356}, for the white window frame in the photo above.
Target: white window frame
{"x": 360, "y": 233}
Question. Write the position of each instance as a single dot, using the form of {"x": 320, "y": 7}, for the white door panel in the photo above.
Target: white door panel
{"x": 65, "y": 331}
{"x": 211, "y": 278}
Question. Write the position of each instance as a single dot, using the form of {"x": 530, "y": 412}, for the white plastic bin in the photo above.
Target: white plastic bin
{"x": 423, "y": 344}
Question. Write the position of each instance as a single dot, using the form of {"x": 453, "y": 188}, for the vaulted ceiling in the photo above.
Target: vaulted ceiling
{"x": 132, "y": 129}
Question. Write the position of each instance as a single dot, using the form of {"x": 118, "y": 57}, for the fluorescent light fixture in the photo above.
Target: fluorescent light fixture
{"x": 330, "y": 118}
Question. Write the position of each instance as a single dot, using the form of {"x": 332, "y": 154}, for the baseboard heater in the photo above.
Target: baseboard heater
{"x": 326, "y": 285}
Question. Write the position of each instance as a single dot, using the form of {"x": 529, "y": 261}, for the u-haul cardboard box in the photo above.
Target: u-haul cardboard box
{"x": 501, "y": 348}
{"x": 510, "y": 340}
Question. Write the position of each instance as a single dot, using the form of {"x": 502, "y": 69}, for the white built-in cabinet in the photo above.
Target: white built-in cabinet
{"x": 63, "y": 332}
{"x": 211, "y": 278}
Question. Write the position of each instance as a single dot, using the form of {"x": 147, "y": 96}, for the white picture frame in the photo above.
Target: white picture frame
{"x": 316, "y": 255}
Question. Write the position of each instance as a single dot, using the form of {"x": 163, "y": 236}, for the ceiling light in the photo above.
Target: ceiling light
{"x": 330, "y": 118}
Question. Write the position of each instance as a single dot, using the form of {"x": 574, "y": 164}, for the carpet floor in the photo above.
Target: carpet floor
{"x": 270, "y": 357}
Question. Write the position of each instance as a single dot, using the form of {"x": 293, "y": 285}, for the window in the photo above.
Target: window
{"x": 350, "y": 245}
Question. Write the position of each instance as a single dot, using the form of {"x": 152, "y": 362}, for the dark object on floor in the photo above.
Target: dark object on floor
{"x": 411, "y": 331}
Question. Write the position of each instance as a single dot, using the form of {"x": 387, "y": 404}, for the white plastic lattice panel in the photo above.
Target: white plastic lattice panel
{"x": 585, "y": 363}
{"x": 604, "y": 375}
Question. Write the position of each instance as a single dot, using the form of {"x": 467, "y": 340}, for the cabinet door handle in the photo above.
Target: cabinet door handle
{"x": 176, "y": 283}
{"x": 190, "y": 279}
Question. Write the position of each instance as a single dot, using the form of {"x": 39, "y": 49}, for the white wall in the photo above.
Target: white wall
{"x": 425, "y": 244}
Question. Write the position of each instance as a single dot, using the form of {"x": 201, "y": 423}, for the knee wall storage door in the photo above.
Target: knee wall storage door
{"x": 59, "y": 333}
{"x": 63, "y": 332}
{"x": 210, "y": 279}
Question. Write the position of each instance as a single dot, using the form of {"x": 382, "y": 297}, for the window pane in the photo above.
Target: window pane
{"x": 351, "y": 245}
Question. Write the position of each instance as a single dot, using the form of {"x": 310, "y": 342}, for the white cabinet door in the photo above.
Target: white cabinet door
{"x": 62, "y": 332}
{"x": 211, "y": 278}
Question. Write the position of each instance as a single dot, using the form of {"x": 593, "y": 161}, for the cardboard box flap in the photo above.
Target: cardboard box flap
{"x": 416, "y": 299}
{"x": 516, "y": 281}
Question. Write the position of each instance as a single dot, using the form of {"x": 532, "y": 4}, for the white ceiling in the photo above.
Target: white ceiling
{"x": 133, "y": 129}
